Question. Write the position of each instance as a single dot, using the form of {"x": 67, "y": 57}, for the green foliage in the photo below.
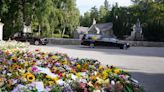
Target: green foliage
{"x": 154, "y": 31}
{"x": 151, "y": 15}
{"x": 149, "y": 12}
{"x": 60, "y": 36}
{"x": 86, "y": 20}
{"x": 45, "y": 16}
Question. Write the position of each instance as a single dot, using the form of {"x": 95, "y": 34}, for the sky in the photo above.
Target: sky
{"x": 85, "y": 5}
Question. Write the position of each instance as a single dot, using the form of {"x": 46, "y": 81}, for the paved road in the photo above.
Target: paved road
{"x": 145, "y": 63}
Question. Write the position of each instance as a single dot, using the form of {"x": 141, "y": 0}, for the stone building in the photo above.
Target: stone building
{"x": 1, "y": 31}
{"x": 79, "y": 32}
{"x": 103, "y": 29}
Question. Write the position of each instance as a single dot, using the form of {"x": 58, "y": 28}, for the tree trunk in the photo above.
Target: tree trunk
{"x": 39, "y": 30}
{"x": 63, "y": 32}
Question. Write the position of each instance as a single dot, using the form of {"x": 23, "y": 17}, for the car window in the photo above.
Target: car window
{"x": 27, "y": 35}
{"x": 110, "y": 39}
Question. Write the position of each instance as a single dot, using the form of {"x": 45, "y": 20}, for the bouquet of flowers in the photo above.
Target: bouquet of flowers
{"x": 12, "y": 44}
{"x": 37, "y": 71}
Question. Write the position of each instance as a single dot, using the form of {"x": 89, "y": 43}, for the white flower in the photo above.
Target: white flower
{"x": 113, "y": 82}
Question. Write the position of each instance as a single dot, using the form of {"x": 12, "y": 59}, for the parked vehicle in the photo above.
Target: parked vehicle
{"x": 28, "y": 37}
{"x": 97, "y": 40}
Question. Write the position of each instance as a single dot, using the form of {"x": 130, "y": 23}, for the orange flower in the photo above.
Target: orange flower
{"x": 78, "y": 66}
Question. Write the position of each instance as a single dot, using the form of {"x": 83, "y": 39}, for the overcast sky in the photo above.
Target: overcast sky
{"x": 85, "y": 5}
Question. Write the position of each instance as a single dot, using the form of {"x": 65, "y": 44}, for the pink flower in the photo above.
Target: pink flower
{"x": 82, "y": 85}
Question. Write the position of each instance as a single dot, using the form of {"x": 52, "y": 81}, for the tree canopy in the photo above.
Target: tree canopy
{"x": 46, "y": 16}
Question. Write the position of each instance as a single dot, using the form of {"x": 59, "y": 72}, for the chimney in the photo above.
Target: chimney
{"x": 94, "y": 21}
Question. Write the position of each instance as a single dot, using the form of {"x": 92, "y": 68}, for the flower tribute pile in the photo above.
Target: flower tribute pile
{"x": 37, "y": 71}
{"x": 12, "y": 44}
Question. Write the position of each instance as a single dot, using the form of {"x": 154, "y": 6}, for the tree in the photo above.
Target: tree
{"x": 86, "y": 20}
{"x": 94, "y": 13}
{"x": 46, "y": 16}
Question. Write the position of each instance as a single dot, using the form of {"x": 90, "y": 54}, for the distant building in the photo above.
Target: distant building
{"x": 104, "y": 29}
{"x": 79, "y": 32}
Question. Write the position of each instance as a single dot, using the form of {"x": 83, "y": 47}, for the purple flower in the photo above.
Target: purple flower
{"x": 1, "y": 51}
{"x": 57, "y": 64}
{"x": 34, "y": 69}
{"x": 122, "y": 76}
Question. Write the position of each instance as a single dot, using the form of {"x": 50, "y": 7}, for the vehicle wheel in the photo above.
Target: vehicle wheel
{"x": 44, "y": 44}
{"x": 36, "y": 42}
{"x": 91, "y": 45}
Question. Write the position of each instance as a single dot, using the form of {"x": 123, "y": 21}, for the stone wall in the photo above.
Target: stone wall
{"x": 145, "y": 43}
{"x": 61, "y": 41}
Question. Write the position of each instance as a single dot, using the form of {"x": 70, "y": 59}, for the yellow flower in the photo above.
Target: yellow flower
{"x": 14, "y": 58}
{"x": 78, "y": 66}
{"x": 65, "y": 61}
{"x": 20, "y": 68}
{"x": 105, "y": 74}
{"x": 14, "y": 66}
{"x": 108, "y": 70}
{"x": 106, "y": 81}
{"x": 55, "y": 79}
{"x": 26, "y": 63}
{"x": 117, "y": 71}
{"x": 50, "y": 83}
{"x": 78, "y": 75}
{"x": 30, "y": 77}
{"x": 54, "y": 57}
{"x": 101, "y": 67}
{"x": 93, "y": 78}
{"x": 63, "y": 74}
{"x": 47, "y": 76}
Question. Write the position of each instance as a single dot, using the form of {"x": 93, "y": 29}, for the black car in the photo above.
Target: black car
{"x": 28, "y": 37}
{"x": 97, "y": 40}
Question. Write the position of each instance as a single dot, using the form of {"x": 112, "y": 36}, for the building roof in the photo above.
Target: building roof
{"x": 102, "y": 26}
{"x": 82, "y": 30}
